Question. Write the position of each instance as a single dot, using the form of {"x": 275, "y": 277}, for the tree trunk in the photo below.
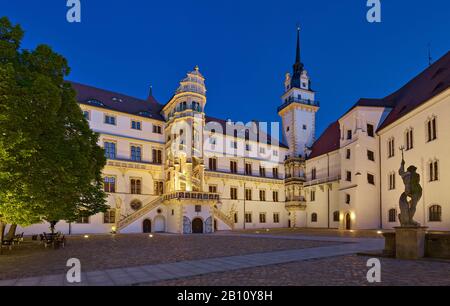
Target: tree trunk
{"x": 52, "y": 226}
{"x": 11, "y": 231}
{"x": 2, "y": 233}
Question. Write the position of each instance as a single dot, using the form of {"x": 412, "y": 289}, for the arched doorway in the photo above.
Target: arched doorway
{"x": 160, "y": 224}
{"x": 147, "y": 226}
{"x": 348, "y": 224}
{"x": 197, "y": 226}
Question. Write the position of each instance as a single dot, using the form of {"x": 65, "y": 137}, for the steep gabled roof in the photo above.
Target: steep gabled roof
{"x": 431, "y": 82}
{"x": 89, "y": 95}
{"x": 329, "y": 141}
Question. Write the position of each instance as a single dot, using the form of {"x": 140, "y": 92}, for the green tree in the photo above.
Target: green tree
{"x": 50, "y": 163}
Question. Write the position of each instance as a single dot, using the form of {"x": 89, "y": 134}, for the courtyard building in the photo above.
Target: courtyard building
{"x": 172, "y": 168}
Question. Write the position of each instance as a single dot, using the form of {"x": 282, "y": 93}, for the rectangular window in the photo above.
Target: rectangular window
{"x": 262, "y": 150}
{"x": 136, "y": 153}
{"x": 83, "y": 219}
{"x": 434, "y": 171}
{"x": 157, "y": 129}
{"x": 262, "y": 218}
{"x": 110, "y": 120}
{"x": 392, "y": 181}
{"x": 198, "y": 208}
{"x": 349, "y": 134}
{"x": 348, "y": 176}
{"x": 213, "y": 164}
{"x": 110, "y": 149}
{"x": 87, "y": 115}
{"x": 347, "y": 198}
{"x": 275, "y": 196}
{"x": 236, "y": 218}
{"x": 248, "y": 169}
{"x": 213, "y": 188}
{"x": 370, "y": 155}
{"x": 313, "y": 174}
{"x": 313, "y": 195}
{"x": 248, "y": 217}
{"x": 135, "y": 186}
{"x": 158, "y": 187}
{"x": 370, "y": 179}
{"x": 391, "y": 148}
{"x": 248, "y": 194}
{"x": 262, "y": 171}
{"x": 370, "y": 130}
{"x": 276, "y": 218}
{"x": 431, "y": 129}
{"x": 275, "y": 153}
{"x": 262, "y": 195}
{"x": 275, "y": 172}
{"x": 233, "y": 193}
{"x": 136, "y": 125}
{"x": 233, "y": 144}
{"x": 109, "y": 217}
{"x": 409, "y": 139}
{"x": 248, "y": 147}
{"x": 233, "y": 166}
{"x": 109, "y": 184}
{"x": 157, "y": 156}
{"x": 348, "y": 154}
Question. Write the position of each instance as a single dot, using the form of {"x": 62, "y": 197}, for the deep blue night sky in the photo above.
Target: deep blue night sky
{"x": 243, "y": 48}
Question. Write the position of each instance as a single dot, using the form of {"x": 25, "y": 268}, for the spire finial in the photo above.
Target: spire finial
{"x": 196, "y": 68}
{"x": 150, "y": 93}
{"x": 430, "y": 59}
{"x": 297, "y": 55}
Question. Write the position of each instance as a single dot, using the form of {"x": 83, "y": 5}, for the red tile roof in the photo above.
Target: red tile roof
{"x": 329, "y": 141}
{"x": 431, "y": 82}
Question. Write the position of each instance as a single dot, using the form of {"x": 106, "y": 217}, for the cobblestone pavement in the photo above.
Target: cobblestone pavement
{"x": 334, "y": 271}
{"x": 106, "y": 251}
{"x": 316, "y": 232}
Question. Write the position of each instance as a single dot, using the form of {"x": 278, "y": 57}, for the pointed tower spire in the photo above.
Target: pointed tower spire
{"x": 298, "y": 66}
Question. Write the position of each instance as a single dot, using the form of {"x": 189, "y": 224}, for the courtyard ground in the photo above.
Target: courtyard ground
{"x": 347, "y": 270}
{"x": 291, "y": 257}
{"x": 107, "y": 251}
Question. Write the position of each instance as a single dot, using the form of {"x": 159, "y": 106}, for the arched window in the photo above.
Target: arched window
{"x": 314, "y": 217}
{"x": 336, "y": 216}
{"x": 247, "y": 135}
{"x": 435, "y": 213}
{"x": 235, "y": 133}
{"x": 392, "y": 215}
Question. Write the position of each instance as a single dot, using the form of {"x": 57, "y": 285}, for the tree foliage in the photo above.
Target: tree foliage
{"x": 50, "y": 163}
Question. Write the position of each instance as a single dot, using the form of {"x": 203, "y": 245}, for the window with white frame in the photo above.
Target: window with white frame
{"x": 109, "y": 119}
{"x": 136, "y": 152}
{"x": 248, "y": 217}
{"x": 409, "y": 139}
{"x": 431, "y": 129}
{"x": 391, "y": 179}
{"x": 109, "y": 216}
{"x": 433, "y": 170}
{"x": 276, "y": 217}
{"x": 136, "y": 125}
{"x": 392, "y": 215}
{"x": 262, "y": 218}
{"x": 313, "y": 195}
{"x": 391, "y": 147}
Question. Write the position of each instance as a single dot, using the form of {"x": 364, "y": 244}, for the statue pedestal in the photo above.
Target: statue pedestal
{"x": 410, "y": 242}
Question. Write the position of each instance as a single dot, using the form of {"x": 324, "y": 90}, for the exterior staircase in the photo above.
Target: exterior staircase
{"x": 139, "y": 213}
{"x": 224, "y": 218}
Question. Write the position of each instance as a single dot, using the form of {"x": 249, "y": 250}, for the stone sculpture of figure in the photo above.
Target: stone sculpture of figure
{"x": 410, "y": 197}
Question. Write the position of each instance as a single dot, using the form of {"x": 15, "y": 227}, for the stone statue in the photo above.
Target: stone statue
{"x": 411, "y": 196}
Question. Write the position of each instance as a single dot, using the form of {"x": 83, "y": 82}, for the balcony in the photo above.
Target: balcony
{"x": 296, "y": 203}
{"x": 293, "y": 179}
{"x": 194, "y": 195}
{"x": 323, "y": 180}
{"x": 300, "y": 101}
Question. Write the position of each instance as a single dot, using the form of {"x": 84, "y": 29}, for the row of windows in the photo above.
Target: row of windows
{"x": 248, "y": 193}
{"x": 433, "y": 174}
{"x": 135, "y": 152}
{"x": 109, "y": 185}
{"x": 370, "y": 177}
{"x": 262, "y": 218}
{"x": 212, "y": 163}
{"x": 134, "y": 124}
{"x": 434, "y": 214}
{"x": 431, "y": 134}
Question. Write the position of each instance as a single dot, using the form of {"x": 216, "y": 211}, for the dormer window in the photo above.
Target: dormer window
{"x": 95, "y": 102}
